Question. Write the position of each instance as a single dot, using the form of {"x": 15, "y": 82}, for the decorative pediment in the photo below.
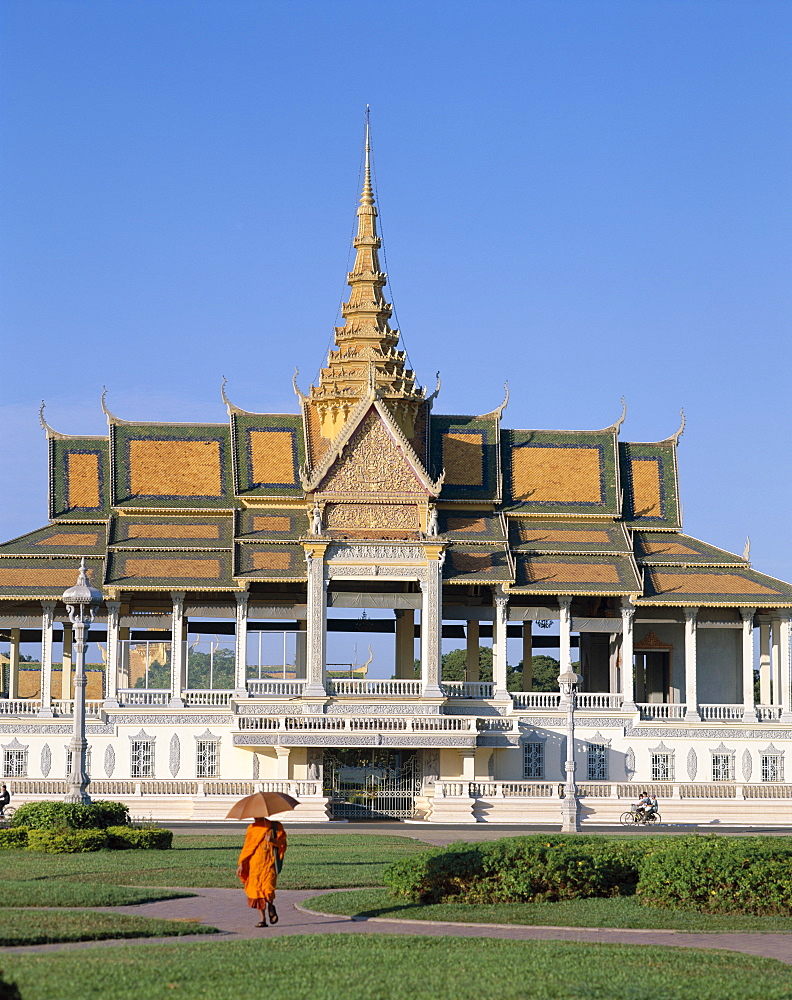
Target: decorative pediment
{"x": 371, "y": 457}
{"x": 650, "y": 641}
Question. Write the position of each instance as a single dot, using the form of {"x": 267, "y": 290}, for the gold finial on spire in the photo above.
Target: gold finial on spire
{"x": 365, "y": 354}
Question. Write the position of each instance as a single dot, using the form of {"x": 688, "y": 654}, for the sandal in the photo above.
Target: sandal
{"x": 273, "y": 913}
{"x": 261, "y": 923}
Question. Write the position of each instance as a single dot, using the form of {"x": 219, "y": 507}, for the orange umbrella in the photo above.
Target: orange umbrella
{"x": 261, "y": 804}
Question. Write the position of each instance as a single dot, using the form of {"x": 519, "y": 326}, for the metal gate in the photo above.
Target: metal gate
{"x": 375, "y": 786}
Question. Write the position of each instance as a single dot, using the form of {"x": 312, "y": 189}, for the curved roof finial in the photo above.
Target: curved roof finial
{"x": 678, "y": 434}
{"x": 111, "y": 417}
{"x": 747, "y": 550}
{"x": 51, "y": 432}
{"x": 436, "y": 393}
{"x": 230, "y": 408}
{"x": 620, "y": 421}
{"x": 498, "y": 411}
{"x": 296, "y": 388}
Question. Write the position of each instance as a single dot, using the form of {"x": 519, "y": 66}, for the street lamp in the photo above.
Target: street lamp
{"x": 567, "y": 685}
{"x": 81, "y": 602}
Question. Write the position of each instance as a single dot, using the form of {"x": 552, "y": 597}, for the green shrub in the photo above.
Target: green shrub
{"x": 66, "y": 841}
{"x": 13, "y": 838}
{"x": 121, "y": 838}
{"x": 713, "y": 874}
{"x": 8, "y": 990}
{"x": 519, "y": 869}
{"x": 56, "y": 815}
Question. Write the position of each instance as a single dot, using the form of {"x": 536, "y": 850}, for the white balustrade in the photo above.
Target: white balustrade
{"x": 329, "y": 723}
{"x": 217, "y": 699}
{"x": 19, "y": 706}
{"x": 471, "y": 690}
{"x": 352, "y": 687}
{"x": 661, "y": 710}
{"x": 65, "y": 706}
{"x": 529, "y": 700}
{"x": 497, "y": 725}
{"x": 275, "y": 688}
{"x": 768, "y": 713}
{"x": 598, "y": 700}
{"x": 502, "y": 789}
{"x": 722, "y": 713}
{"x": 142, "y": 696}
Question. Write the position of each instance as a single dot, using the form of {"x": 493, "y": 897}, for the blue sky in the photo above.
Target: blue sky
{"x": 590, "y": 199}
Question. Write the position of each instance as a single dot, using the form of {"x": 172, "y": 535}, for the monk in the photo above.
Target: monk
{"x": 265, "y": 841}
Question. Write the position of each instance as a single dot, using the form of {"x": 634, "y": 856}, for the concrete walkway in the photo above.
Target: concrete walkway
{"x": 227, "y": 910}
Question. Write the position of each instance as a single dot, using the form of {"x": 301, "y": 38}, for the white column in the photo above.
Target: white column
{"x": 113, "y": 653}
{"x": 317, "y": 626}
{"x": 784, "y": 672}
{"x": 472, "y": 656}
{"x": 775, "y": 660}
{"x": 627, "y": 659}
{"x": 431, "y": 634}
{"x": 499, "y": 662}
{"x": 565, "y": 634}
{"x": 13, "y": 665}
{"x": 47, "y": 621}
{"x": 282, "y": 764}
{"x": 691, "y": 687}
{"x": 67, "y": 688}
{"x": 527, "y": 655}
{"x": 177, "y": 651}
{"x": 240, "y": 646}
{"x": 764, "y": 664}
{"x": 749, "y": 708}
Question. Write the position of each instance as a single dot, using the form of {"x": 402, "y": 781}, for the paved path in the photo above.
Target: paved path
{"x": 227, "y": 910}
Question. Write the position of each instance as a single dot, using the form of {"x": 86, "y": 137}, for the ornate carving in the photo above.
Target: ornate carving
{"x": 692, "y": 764}
{"x": 373, "y": 464}
{"x": 376, "y": 553}
{"x": 174, "y": 755}
{"x": 431, "y": 766}
{"x": 629, "y": 764}
{"x": 133, "y": 719}
{"x": 256, "y": 766}
{"x": 316, "y": 765}
{"x": 650, "y": 641}
{"x": 747, "y": 764}
{"x": 46, "y": 760}
{"x": 373, "y": 515}
{"x": 354, "y": 739}
{"x": 109, "y": 760}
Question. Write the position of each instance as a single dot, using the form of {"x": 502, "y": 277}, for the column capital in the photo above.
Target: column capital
{"x": 177, "y": 597}
{"x": 627, "y": 613}
{"x": 242, "y": 598}
{"x": 747, "y": 614}
{"x": 691, "y": 614}
{"x": 501, "y": 601}
{"x": 113, "y": 606}
{"x": 565, "y": 603}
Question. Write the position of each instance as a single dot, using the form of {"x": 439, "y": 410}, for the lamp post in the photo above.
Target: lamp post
{"x": 570, "y": 821}
{"x": 81, "y": 602}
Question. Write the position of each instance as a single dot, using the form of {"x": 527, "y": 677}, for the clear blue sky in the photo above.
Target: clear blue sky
{"x": 591, "y": 199}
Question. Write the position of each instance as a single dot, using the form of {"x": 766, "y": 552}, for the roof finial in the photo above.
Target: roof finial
{"x": 747, "y": 550}
{"x": 367, "y": 195}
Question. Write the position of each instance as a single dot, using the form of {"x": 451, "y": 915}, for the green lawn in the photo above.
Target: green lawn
{"x": 58, "y": 892}
{"x": 21, "y": 927}
{"x": 624, "y": 912}
{"x": 374, "y": 967}
{"x": 315, "y": 861}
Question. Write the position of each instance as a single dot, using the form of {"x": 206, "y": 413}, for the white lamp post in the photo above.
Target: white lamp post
{"x": 81, "y": 603}
{"x": 567, "y": 685}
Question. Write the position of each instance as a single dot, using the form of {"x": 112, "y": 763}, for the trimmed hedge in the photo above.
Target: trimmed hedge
{"x": 66, "y": 841}
{"x": 519, "y": 869}
{"x": 76, "y": 816}
{"x": 14, "y": 838}
{"x": 122, "y": 838}
{"x": 8, "y": 989}
{"x": 713, "y": 874}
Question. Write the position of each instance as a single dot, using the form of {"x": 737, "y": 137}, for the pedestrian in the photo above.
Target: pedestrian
{"x": 5, "y": 798}
{"x": 259, "y": 864}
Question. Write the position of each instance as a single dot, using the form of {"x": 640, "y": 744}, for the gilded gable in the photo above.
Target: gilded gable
{"x": 372, "y": 464}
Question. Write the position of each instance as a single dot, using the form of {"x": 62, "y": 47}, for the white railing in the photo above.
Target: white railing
{"x": 476, "y": 690}
{"x": 536, "y": 699}
{"x": 19, "y": 706}
{"x": 275, "y": 689}
{"x": 65, "y": 706}
{"x": 497, "y": 725}
{"x": 661, "y": 710}
{"x": 496, "y": 789}
{"x": 768, "y": 790}
{"x": 723, "y": 713}
{"x": 216, "y": 699}
{"x": 350, "y": 687}
{"x": 598, "y": 699}
{"x": 768, "y": 713}
{"x": 328, "y": 723}
{"x": 142, "y": 696}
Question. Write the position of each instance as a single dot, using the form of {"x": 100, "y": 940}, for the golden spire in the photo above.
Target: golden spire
{"x": 365, "y": 360}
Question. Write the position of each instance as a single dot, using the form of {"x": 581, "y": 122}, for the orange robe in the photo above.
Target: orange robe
{"x": 257, "y": 861}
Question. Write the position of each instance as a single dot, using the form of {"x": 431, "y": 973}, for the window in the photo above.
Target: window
{"x": 722, "y": 767}
{"x": 772, "y": 767}
{"x": 206, "y": 759}
{"x": 69, "y": 761}
{"x": 533, "y": 760}
{"x": 142, "y": 764}
{"x": 662, "y": 767}
{"x": 14, "y": 763}
{"x": 597, "y": 762}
